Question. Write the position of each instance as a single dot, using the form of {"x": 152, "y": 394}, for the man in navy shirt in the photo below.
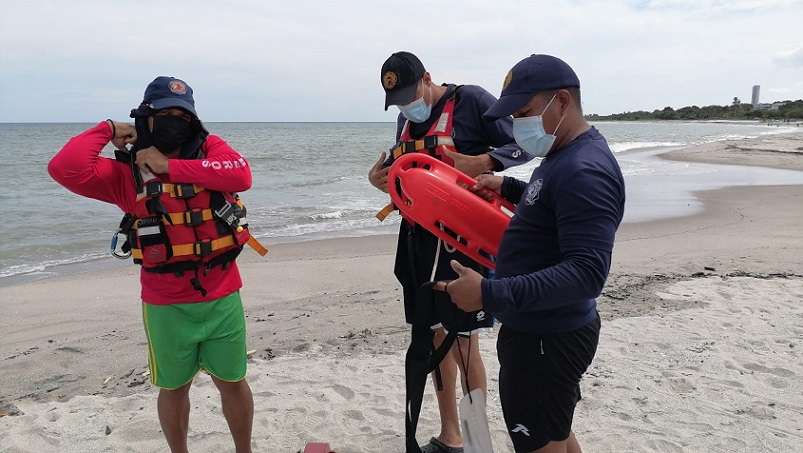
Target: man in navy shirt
{"x": 554, "y": 257}
{"x": 452, "y": 116}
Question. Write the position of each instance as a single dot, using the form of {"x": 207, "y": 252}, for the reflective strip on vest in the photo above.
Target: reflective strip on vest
{"x": 147, "y": 231}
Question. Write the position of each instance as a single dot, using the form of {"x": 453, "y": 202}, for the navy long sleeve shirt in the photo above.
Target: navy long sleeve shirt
{"x": 556, "y": 253}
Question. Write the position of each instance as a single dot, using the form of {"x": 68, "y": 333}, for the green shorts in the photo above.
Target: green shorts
{"x": 185, "y": 338}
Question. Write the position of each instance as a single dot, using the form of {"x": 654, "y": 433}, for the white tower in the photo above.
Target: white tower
{"x": 756, "y": 89}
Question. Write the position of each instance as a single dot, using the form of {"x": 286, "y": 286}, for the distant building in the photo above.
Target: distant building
{"x": 777, "y": 105}
{"x": 756, "y": 89}
{"x": 771, "y": 107}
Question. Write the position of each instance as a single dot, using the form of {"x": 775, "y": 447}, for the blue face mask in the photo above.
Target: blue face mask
{"x": 530, "y": 135}
{"x": 417, "y": 111}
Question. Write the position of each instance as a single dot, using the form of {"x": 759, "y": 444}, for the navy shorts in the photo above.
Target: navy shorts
{"x": 539, "y": 382}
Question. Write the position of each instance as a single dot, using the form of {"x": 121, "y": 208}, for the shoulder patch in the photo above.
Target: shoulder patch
{"x": 533, "y": 191}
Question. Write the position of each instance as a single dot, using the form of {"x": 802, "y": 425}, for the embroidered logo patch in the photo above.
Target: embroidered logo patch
{"x": 534, "y": 191}
{"x": 177, "y": 87}
{"x": 389, "y": 80}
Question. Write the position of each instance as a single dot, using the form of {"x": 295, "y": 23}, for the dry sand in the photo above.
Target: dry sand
{"x": 700, "y": 350}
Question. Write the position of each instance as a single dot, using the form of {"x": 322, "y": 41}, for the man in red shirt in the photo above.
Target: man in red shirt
{"x": 185, "y": 226}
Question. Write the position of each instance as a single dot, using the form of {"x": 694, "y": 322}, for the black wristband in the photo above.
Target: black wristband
{"x": 114, "y": 129}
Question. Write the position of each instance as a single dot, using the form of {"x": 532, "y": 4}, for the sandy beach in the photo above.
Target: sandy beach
{"x": 701, "y": 347}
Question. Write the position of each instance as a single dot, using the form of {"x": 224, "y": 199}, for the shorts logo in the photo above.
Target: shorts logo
{"x": 480, "y": 315}
{"x": 389, "y": 80}
{"x": 534, "y": 191}
{"x": 521, "y": 429}
{"x": 177, "y": 87}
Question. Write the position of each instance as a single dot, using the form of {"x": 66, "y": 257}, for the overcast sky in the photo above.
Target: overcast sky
{"x": 319, "y": 61}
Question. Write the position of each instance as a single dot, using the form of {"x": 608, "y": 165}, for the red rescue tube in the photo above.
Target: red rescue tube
{"x": 435, "y": 195}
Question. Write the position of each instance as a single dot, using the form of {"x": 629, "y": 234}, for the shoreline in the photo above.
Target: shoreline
{"x": 754, "y": 152}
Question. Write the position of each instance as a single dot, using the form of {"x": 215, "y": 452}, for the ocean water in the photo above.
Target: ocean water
{"x": 310, "y": 181}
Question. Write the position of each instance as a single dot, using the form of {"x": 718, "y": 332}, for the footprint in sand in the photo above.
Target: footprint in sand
{"x": 665, "y": 446}
{"x": 385, "y": 412}
{"x": 681, "y": 385}
{"x": 777, "y": 371}
{"x": 354, "y": 415}
{"x": 778, "y": 383}
{"x": 345, "y": 392}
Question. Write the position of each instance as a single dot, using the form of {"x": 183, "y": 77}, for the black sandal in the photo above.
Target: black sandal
{"x": 436, "y": 446}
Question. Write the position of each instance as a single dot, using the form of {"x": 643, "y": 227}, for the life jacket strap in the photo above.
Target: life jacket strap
{"x": 428, "y": 143}
{"x": 257, "y": 246}
{"x": 156, "y": 188}
{"x": 199, "y": 248}
{"x": 191, "y": 218}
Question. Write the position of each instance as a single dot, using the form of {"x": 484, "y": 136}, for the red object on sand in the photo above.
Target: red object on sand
{"x": 435, "y": 195}
{"x": 317, "y": 447}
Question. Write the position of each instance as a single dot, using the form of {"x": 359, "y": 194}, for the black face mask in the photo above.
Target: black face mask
{"x": 170, "y": 132}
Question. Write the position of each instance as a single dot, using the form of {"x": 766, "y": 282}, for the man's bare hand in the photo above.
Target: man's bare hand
{"x": 124, "y": 134}
{"x": 153, "y": 160}
{"x": 471, "y": 165}
{"x": 488, "y": 184}
{"x": 378, "y": 176}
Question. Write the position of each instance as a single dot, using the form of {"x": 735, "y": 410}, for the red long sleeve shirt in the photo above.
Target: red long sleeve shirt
{"x": 80, "y": 168}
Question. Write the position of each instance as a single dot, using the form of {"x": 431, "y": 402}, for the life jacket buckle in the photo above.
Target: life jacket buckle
{"x": 431, "y": 142}
{"x": 194, "y": 217}
{"x": 153, "y": 189}
{"x": 122, "y": 252}
{"x": 409, "y": 146}
{"x": 185, "y": 190}
{"x": 229, "y": 214}
{"x": 203, "y": 248}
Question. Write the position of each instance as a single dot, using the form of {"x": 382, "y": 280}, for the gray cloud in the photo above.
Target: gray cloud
{"x": 793, "y": 58}
{"x": 319, "y": 61}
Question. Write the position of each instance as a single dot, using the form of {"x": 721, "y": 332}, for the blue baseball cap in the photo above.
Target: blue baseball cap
{"x": 529, "y": 77}
{"x": 166, "y": 92}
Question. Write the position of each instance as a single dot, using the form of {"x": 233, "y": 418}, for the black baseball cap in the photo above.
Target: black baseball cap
{"x": 400, "y": 75}
{"x": 166, "y": 92}
{"x": 529, "y": 77}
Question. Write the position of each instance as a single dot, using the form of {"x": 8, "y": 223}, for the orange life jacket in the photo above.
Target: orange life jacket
{"x": 435, "y": 142}
{"x": 179, "y": 227}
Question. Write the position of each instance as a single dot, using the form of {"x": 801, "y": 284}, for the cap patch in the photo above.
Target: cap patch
{"x": 177, "y": 87}
{"x": 389, "y": 80}
{"x": 508, "y": 79}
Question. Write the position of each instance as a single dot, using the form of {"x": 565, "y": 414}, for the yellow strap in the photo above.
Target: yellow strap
{"x": 174, "y": 189}
{"x": 441, "y": 140}
{"x": 180, "y": 218}
{"x": 171, "y": 189}
{"x": 190, "y": 249}
{"x": 257, "y": 246}
{"x": 385, "y": 212}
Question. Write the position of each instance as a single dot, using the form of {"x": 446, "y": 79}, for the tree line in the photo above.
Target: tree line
{"x": 792, "y": 110}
